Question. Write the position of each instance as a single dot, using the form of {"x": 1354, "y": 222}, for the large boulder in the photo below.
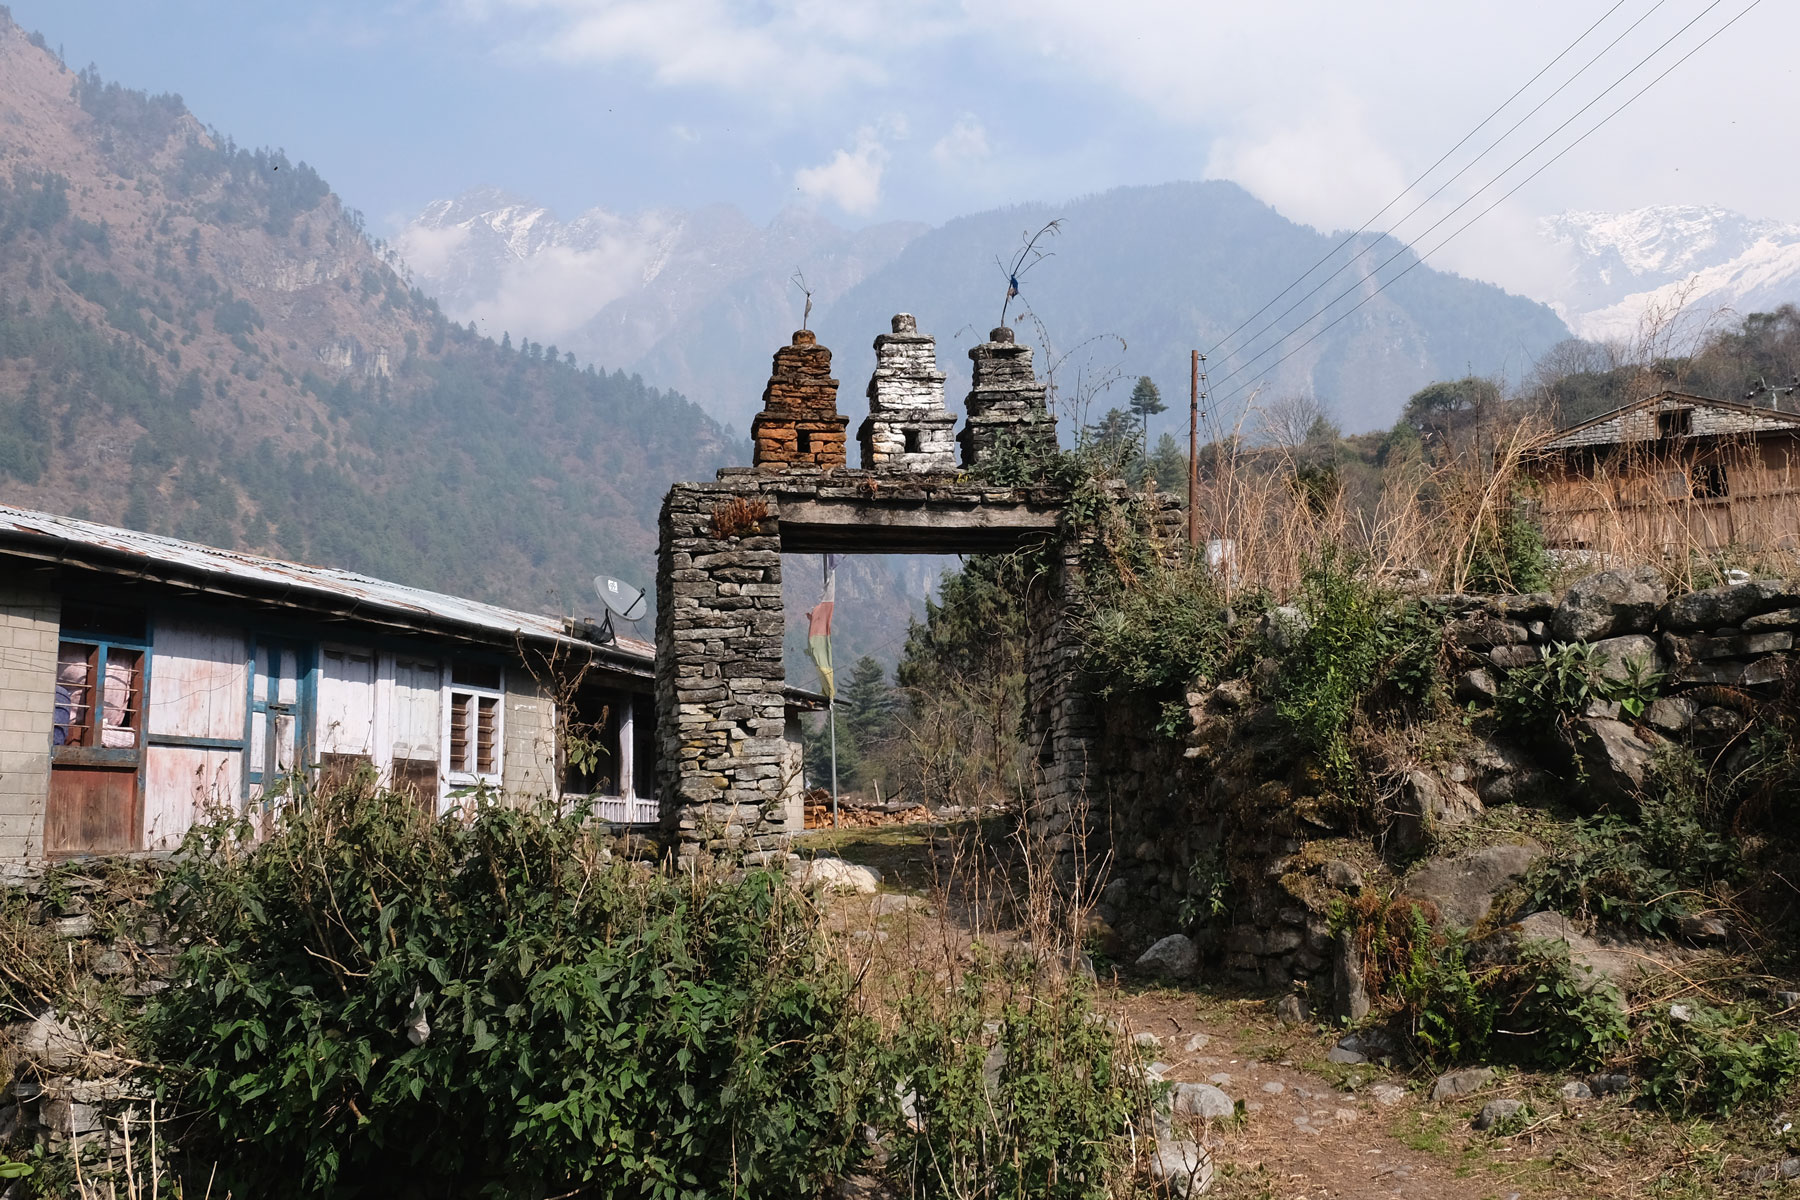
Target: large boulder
{"x": 1464, "y": 886}
{"x": 1428, "y": 803}
{"x": 1174, "y": 956}
{"x": 1201, "y": 1100}
{"x": 1616, "y": 758}
{"x": 1614, "y": 657}
{"x": 836, "y": 875}
{"x": 1609, "y": 604}
{"x": 1592, "y": 961}
{"x": 54, "y": 1046}
{"x": 1725, "y": 607}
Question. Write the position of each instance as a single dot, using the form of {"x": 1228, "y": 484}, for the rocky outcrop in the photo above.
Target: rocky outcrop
{"x": 1464, "y": 886}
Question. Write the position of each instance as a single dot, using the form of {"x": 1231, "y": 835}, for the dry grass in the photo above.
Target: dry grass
{"x": 1431, "y": 519}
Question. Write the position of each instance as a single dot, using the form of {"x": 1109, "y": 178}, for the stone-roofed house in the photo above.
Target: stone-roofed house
{"x": 1673, "y": 471}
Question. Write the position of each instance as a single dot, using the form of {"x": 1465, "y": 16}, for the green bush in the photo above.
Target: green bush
{"x": 588, "y": 1028}
{"x": 1035, "y": 1102}
{"x": 1641, "y": 875}
{"x": 1161, "y": 631}
{"x": 1510, "y": 555}
{"x": 1716, "y": 1063}
{"x": 1356, "y": 646}
{"x": 1532, "y": 1011}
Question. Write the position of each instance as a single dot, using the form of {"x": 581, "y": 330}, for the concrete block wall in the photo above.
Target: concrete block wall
{"x": 30, "y": 619}
{"x": 528, "y": 762}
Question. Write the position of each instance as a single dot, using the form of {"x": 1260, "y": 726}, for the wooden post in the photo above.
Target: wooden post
{"x": 1194, "y": 453}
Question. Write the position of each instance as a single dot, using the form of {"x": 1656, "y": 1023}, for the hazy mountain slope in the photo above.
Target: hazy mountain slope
{"x": 1707, "y": 258}
{"x": 1167, "y": 268}
{"x": 698, "y": 300}
{"x": 1173, "y": 268}
{"x": 199, "y": 340}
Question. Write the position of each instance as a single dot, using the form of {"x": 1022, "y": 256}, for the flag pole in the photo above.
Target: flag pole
{"x": 831, "y": 714}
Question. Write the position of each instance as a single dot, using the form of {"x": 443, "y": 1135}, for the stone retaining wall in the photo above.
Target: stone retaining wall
{"x": 1229, "y": 802}
{"x": 64, "y": 1080}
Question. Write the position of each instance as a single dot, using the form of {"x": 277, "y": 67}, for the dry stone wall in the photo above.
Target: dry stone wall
{"x": 68, "y": 1082}
{"x": 1229, "y": 811}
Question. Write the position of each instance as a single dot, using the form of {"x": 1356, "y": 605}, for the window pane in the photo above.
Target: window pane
{"x": 460, "y": 703}
{"x": 75, "y": 665}
{"x": 122, "y": 698}
{"x": 475, "y": 674}
{"x": 487, "y": 747}
{"x": 259, "y": 742}
{"x": 102, "y": 622}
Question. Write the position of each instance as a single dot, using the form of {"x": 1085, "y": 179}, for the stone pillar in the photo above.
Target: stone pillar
{"x": 908, "y": 428}
{"x": 1062, "y": 719}
{"x": 1006, "y": 402}
{"x": 799, "y": 425}
{"x": 720, "y": 710}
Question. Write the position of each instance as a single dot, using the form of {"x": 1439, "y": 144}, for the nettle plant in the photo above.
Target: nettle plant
{"x": 1567, "y": 679}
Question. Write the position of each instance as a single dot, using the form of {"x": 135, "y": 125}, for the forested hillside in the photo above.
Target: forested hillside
{"x": 199, "y": 339}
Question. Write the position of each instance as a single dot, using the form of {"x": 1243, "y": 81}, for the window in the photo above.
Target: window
{"x": 913, "y": 443}
{"x": 803, "y": 441}
{"x": 1674, "y": 422}
{"x": 1709, "y": 481}
{"x": 474, "y": 733}
{"x": 99, "y": 695}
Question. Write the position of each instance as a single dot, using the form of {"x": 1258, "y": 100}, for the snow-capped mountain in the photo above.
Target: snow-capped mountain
{"x": 1701, "y": 259}
{"x": 695, "y": 300}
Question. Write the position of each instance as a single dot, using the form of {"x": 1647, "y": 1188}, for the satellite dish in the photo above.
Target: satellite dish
{"x": 621, "y": 599}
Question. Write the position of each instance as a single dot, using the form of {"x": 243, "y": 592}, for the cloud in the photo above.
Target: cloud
{"x": 782, "y": 50}
{"x": 851, "y": 180}
{"x": 965, "y": 143}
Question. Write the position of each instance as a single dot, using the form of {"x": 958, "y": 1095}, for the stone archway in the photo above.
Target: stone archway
{"x": 724, "y": 773}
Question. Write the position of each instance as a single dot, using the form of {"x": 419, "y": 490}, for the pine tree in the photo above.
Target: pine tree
{"x": 1169, "y": 465}
{"x": 1146, "y": 402}
{"x": 868, "y": 703}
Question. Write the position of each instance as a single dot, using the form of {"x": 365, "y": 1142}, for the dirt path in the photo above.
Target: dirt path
{"x": 1312, "y": 1129}
{"x": 1304, "y": 1137}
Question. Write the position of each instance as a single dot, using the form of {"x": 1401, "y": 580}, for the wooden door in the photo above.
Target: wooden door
{"x": 92, "y": 809}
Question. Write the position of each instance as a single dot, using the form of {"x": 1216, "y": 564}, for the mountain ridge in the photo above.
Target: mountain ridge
{"x": 1431, "y": 324}
{"x": 201, "y": 340}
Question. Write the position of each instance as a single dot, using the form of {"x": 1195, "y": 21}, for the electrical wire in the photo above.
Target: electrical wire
{"x": 1241, "y": 368}
{"x": 1423, "y": 176}
{"x": 1490, "y": 208}
{"x": 1467, "y": 167}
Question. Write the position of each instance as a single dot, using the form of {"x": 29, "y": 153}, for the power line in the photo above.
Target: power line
{"x": 1490, "y": 208}
{"x": 1422, "y": 177}
{"x": 1536, "y": 146}
{"x": 1466, "y": 168}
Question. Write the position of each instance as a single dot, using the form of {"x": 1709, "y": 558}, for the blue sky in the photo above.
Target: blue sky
{"x": 876, "y": 110}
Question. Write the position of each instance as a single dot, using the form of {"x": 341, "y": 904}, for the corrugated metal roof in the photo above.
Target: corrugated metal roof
{"x": 104, "y": 546}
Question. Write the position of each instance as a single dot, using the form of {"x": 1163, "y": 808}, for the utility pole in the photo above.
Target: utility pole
{"x": 1194, "y": 453}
